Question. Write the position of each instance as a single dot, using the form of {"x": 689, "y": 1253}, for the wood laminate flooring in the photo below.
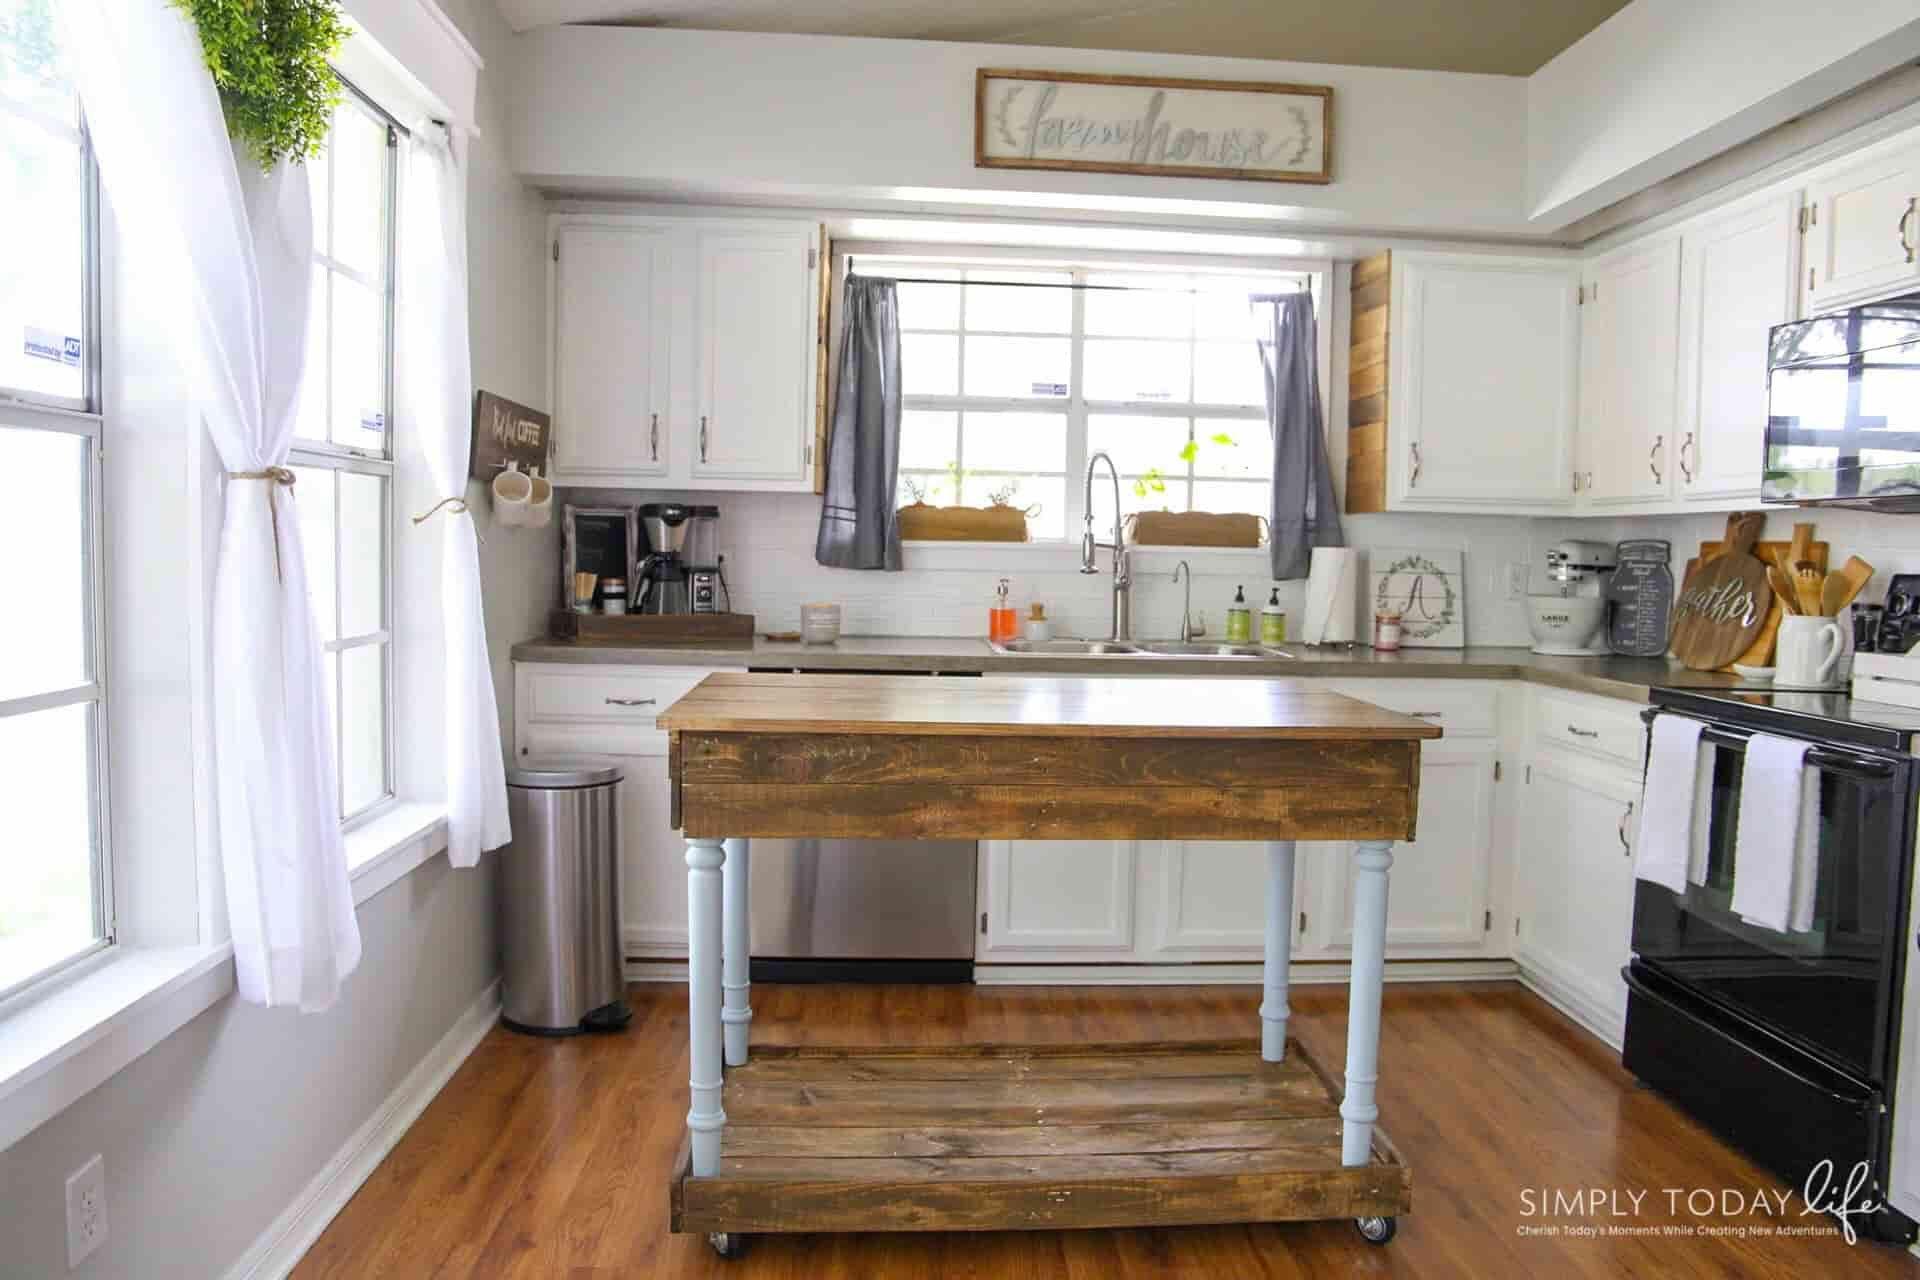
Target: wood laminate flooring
{"x": 550, "y": 1158}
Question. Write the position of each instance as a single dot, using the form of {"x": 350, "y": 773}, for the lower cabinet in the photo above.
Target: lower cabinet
{"x": 1573, "y": 885}
{"x": 1057, "y": 900}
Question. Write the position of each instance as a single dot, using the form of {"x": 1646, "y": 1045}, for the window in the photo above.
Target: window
{"x": 1009, "y": 385}
{"x": 55, "y": 897}
{"x": 343, "y": 448}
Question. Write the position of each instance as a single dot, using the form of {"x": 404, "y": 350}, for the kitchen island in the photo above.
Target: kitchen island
{"x": 1004, "y": 1137}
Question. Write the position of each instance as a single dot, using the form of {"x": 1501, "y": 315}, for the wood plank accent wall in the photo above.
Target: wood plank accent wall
{"x": 1367, "y": 385}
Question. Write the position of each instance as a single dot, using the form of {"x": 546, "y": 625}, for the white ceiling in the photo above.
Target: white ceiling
{"x": 1503, "y": 37}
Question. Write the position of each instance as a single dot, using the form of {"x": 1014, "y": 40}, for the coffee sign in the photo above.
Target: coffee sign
{"x": 505, "y": 432}
{"x": 1151, "y": 125}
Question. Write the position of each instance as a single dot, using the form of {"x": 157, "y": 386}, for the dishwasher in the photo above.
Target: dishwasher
{"x": 862, "y": 910}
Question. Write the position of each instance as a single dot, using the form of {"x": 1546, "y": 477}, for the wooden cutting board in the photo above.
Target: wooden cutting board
{"x": 1724, "y": 603}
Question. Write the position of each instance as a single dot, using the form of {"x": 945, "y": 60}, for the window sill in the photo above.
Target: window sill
{"x": 972, "y": 557}
{"x": 392, "y": 844}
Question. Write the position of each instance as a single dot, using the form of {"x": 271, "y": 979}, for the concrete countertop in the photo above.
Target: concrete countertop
{"x": 1613, "y": 677}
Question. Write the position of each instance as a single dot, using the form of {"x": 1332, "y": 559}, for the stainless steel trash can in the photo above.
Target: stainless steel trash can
{"x": 559, "y": 904}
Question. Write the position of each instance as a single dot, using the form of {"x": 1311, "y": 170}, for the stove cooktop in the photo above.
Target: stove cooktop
{"x": 1831, "y": 717}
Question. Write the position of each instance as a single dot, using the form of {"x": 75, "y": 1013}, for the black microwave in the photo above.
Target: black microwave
{"x": 1843, "y": 408}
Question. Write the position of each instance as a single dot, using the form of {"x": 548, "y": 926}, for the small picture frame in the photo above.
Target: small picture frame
{"x": 604, "y": 541}
{"x": 1426, "y": 588}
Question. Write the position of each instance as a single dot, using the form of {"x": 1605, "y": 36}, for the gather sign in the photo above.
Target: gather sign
{"x": 1153, "y": 125}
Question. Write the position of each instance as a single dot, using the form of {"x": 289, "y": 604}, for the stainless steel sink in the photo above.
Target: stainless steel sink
{"x": 1067, "y": 648}
{"x": 1141, "y": 649}
{"x": 1201, "y": 649}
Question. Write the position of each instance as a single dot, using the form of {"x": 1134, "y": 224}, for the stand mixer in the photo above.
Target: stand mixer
{"x": 1571, "y": 620}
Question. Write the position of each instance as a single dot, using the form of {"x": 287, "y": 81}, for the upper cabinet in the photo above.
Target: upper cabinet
{"x": 1629, "y": 317}
{"x": 685, "y": 351}
{"x": 1863, "y": 230}
{"x": 1461, "y": 383}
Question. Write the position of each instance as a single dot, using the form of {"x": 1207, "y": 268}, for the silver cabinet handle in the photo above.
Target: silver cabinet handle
{"x": 1901, "y": 226}
{"x": 1414, "y": 478}
{"x": 1621, "y": 830}
{"x": 703, "y": 437}
{"x": 1686, "y": 448}
{"x": 1424, "y": 715}
{"x": 1576, "y": 482}
{"x": 630, "y": 702}
{"x": 1659, "y": 443}
{"x": 1589, "y": 482}
{"x": 653, "y": 439}
{"x": 1578, "y": 732}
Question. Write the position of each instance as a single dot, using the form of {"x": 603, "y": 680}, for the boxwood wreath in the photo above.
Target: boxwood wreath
{"x": 269, "y": 60}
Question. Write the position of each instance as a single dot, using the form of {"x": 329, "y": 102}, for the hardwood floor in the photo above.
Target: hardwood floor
{"x": 551, "y": 1158}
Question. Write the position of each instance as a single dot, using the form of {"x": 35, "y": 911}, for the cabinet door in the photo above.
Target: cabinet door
{"x": 1861, "y": 234}
{"x": 1438, "y": 901}
{"x": 1207, "y": 899}
{"x": 1736, "y": 282}
{"x": 1629, "y": 352}
{"x": 653, "y": 866}
{"x": 757, "y": 315}
{"x": 1056, "y": 900}
{"x": 612, "y": 320}
{"x": 1573, "y": 886}
{"x": 1485, "y": 357}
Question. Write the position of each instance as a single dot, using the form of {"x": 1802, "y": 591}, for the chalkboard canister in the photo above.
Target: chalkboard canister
{"x": 1641, "y": 592}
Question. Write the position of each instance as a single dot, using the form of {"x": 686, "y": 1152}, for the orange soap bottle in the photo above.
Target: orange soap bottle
{"x": 1001, "y": 626}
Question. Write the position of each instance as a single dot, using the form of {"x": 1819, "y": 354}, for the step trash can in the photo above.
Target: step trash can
{"x": 562, "y": 971}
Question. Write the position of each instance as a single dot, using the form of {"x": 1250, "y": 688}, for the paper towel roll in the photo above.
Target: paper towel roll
{"x": 1333, "y": 596}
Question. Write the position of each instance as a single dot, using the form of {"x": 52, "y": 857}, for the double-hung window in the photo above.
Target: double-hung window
{"x": 1013, "y": 376}
{"x": 343, "y": 451}
{"x": 55, "y": 887}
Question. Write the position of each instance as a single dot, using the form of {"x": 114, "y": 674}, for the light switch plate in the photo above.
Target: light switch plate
{"x": 1516, "y": 580}
{"x": 86, "y": 1210}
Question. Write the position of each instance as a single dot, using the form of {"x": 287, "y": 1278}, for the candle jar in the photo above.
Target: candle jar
{"x": 1386, "y": 631}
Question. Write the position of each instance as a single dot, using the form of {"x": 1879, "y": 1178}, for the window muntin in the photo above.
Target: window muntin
{"x": 343, "y": 449}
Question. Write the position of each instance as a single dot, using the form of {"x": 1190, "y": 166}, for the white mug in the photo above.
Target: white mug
{"x": 1806, "y": 652}
{"x": 512, "y": 492}
{"x": 539, "y": 509}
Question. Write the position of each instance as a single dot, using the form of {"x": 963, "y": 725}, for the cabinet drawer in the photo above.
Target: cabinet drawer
{"x": 600, "y": 710}
{"x": 1464, "y": 709}
{"x": 1596, "y": 726}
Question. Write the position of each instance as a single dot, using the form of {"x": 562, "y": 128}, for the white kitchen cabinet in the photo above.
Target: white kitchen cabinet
{"x": 612, "y": 352}
{"x": 1863, "y": 229}
{"x": 1573, "y": 885}
{"x": 1629, "y": 318}
{"x": 757, "y": 308}
{"x": 1738, "y": 272}
{"x": 1207, "y": 900}
{"x": 1483, "y": 355}
{"x": 653, "y": 866}
{"x": 1057, "y": 901}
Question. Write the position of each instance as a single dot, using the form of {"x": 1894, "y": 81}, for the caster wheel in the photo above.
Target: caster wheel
{"x": 1377, "y": 1230}
{"x": 728, "y": 1244}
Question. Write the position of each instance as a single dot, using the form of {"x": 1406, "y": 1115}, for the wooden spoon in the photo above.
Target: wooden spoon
{"x": 1801, "y": 547}
{"x": 1807, "y": 582}
{"x": 1841, "y": 587}
{"x": 1783, "y": 588}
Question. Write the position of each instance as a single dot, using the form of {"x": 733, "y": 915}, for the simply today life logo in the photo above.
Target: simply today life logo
{"x": 1825, "y": 1205}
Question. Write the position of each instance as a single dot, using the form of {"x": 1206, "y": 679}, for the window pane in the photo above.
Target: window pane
{"x": 47, "y": 911}
{"x": 363, "y": 557}
{"x": 929, "y": 306}
{"x": 359, "y": 365}
{"x": 1043, "y": 498}
{"x": 44, "y": 573}
{"x": 313, "y": 496}
{"x": 1015, "y": 441}
{"x": 319, "y": 189}
{"x": 927, "y": 438}
{"x": 312, "y": 422}
{"x": 1150, "y": 310}
{"x": 929, "y": 365}
{"x": 1226, "y": 313}
{"x": 1136, "y": 370}
{"x": 1226, "y": 496}
{"x": 1232, "y": 447}
{"x": 1022, "y": 367}
{"x": 363, "y": 737}
{"x": 1228, "y": 373}
{"x": 1138, "y": 443}
{"x": 1020, "y": 310}
{"x": 358, "y": 145}
{"x": 43, "y": 273}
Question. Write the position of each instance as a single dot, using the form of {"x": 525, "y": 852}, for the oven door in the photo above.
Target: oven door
{"x": 1831, "y": 990}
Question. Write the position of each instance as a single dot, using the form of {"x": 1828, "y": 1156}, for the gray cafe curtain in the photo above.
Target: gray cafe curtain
{"x": 858, "y": 528}
{"x": 1303, "y": 513}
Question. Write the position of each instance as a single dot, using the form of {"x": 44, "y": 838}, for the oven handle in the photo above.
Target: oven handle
{"x": 1846, "y": 763}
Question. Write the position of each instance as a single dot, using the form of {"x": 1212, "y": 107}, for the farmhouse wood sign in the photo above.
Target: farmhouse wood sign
{"x": 505, "y": 432}
{"x": 1155, "y": 126}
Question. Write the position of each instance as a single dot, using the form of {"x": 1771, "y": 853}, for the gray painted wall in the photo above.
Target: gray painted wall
{"x": 210, "y": 1135}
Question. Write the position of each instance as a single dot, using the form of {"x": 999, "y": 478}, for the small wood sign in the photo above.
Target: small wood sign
{"x": 504, "y": 432}
{"x": 1724, "y": 603}
{"x": 1245, "y": 129}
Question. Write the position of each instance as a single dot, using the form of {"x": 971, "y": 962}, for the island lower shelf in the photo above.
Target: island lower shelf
{"x": 998, "y": 1137}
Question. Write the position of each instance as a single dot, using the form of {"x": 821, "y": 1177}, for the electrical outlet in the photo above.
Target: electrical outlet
{"x": 1516, "y": 579}
{"x": 86, "y": 1210}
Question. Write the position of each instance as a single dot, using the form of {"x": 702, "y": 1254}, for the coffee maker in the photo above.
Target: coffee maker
{"x": 680, "y": 571}
{"x": 1572, "y": 619}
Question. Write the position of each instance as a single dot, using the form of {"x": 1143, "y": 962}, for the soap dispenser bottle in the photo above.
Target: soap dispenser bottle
{"x": 1273, "y": 620}
{"x": 1239, "y": 618}
{"x": 1001, "y": 626}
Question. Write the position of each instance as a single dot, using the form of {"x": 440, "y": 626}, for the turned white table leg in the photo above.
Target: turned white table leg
{"x": 705, "y": 1118}
{"x": 736, "y": 1014}
{"x": 1273, "y": 1003}
{"x": 1357, "y": 1110}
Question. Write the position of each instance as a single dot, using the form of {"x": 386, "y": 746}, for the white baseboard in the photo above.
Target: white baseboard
{"x": 1576, "y": 1004}
{"x": 656, "y": 971}
{"x": 281, "y": 1246}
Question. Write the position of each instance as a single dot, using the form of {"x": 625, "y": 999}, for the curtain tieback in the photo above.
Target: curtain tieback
{"x": 458, "y": 506}
{"x": 278, "y": 477}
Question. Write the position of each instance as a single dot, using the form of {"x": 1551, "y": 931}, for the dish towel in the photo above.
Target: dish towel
{"x": 1664, "y": 848}
{"x": 1777, "y": 843}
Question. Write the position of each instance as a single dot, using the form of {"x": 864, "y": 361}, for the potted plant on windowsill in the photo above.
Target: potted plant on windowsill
{"x": 1165, "y": 528}
{"x": 998, "y": 521}
{"x": 270, "y": 60}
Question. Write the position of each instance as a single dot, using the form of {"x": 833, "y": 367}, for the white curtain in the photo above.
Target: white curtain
{"x": 436, "y": 364}
{"x": 240, "y": 246}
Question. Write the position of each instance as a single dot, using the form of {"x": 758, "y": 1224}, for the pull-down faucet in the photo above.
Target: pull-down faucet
{"x": 1122, "y": 562}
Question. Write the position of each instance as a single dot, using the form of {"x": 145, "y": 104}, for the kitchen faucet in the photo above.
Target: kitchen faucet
{"x": 1122, "y": 562}
{"x": 1186, "y": 602}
